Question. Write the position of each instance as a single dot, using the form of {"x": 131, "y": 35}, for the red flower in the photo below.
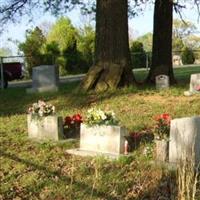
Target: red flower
{"x": 73, "y": 121}
{"x": 77, "y": 118}
{"x": 165, "y": 117}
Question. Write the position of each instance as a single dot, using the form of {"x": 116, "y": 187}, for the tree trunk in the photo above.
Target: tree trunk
{"x": 112, "y": 56}
{"x": 162, "y": 41}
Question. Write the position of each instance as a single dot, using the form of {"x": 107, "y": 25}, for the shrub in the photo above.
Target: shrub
{"x": 31, "y": 48}
{"x": 187, "y": 56}
{"x": 138, "y": 55}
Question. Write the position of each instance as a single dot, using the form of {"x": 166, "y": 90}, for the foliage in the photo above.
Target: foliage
{"x": 5, "y": 52}
{"x": 31, "y": 48}
{"x": 41, "y": 109}
{"x": 183, "y": 35}
{"x": 63, "y": 33}
{"x": 98, "y": 117}
{"x": 51, "y": 53}
{"x": 162, "y": 128}
{"x": 86, "y": 42}
{"x": 182, "y": 29}
{"x": 138, "y": 55}
{"x": 64, "y": 37}
{"x": 193, "y": 42}
{"x": 177, "y": 44}
{"x": 187, "y": 56}
{"x": 146, "y": 40}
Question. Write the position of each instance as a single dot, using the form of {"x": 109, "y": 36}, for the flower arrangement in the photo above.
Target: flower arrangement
{"x": 72, "y": 126}
{"x": 162, "y": 128}
{"x": 41, "y": 109}
{"x": 197, "y": 88}
{"x": 73, "y": 122}
{"x": 96, "y": 116}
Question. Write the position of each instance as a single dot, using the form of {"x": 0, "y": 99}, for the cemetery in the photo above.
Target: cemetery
{"x": 108, "y": 105}
{"x": 122, "y": 144}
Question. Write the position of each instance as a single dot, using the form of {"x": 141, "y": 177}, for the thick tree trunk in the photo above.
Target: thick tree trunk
{"x": 112, "y": 56}
{"x": 162, "y": 41}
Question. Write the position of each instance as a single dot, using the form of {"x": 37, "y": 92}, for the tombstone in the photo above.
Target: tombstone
{"x": 177, "y": 60}
{"x": 162, "y": 81}
{"x": 185, "y": 139}
{"x": 105, "y": 139}
{"x": 44, "y": 78}
{"x": 45, "y": 128}
{"x": 194, "y": 85}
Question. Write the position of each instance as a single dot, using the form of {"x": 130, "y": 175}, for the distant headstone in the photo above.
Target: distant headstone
{"x": 177, "y": 60}
{"x": 194, "y": 85}
{"x": 184, "y": 139}
{"x": 44, "y": 78}
{"x": 162, "y": 81}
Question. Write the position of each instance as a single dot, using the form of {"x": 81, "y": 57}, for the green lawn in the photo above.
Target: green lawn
{"x": 182, "y": 74}
{"x": 32, "y": 170}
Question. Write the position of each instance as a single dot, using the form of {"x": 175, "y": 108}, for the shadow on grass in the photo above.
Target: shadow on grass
{"x": 49, "y": 172}
{"x": 16, "y": 101}
{"x": 165, "y": 189}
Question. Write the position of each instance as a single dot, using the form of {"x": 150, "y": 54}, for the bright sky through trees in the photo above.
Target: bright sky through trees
{"x": 137, "y": 26}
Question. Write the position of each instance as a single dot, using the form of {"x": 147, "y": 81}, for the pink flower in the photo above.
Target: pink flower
{"x": 197, "y": 88}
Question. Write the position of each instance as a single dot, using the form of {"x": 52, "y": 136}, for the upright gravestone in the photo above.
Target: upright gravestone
{"x": 194, "y": 85}
{"x": 162, "y": 81}
{"x": 184, "y": 139}
{"x": 44, "y": 78}
{"x": 44, "y": 128}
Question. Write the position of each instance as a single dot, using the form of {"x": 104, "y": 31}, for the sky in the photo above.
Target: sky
{"x": 138, "y": 25}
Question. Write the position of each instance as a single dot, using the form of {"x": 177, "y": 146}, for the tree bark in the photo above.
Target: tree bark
{"x": 112, "y": 56}
{"x": 162, "y": 41}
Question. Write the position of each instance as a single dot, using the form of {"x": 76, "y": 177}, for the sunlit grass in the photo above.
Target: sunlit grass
{"x": 32, "y": 170}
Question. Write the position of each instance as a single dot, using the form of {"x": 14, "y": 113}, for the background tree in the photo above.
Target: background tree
{"x": 112, "y": 56}
{"x": 138, "y": 54}
{"x": 65, "y": 35}
{"x": 86, "y": 43}
{"x": 51, "y": 53}
{"x": 182, "y": 29}
{"x": 146, "y": 40}
{"x": 45, "y": 26}
{"x": 193, "y": 42}
{"x": 187, "y": 56}
{"x": 31, "y": 48}
{"x": 162, "y": 41}
{"x": 4, "y": 51}
{"x": 183, "y": 33}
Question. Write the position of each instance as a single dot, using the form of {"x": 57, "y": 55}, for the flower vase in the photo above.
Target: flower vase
{"x": 72, "y": 132}
{"x": 162, "y": 150}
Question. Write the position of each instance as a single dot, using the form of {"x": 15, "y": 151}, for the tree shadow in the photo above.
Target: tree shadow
{"x": 165, "y": 189}
{"x": 16, "y": 101}
{"x": 48, "y": 172}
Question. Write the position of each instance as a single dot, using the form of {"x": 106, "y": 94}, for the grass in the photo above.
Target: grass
{"x": 31, "y": 170}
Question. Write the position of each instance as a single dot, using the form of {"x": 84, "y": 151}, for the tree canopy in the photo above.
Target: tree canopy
{"x": 63, "y": 33}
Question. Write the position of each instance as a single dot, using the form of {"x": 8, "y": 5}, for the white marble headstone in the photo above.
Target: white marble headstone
{"x": 184, "y": 139}
{"x": 195, "y": 83}
{"x": 44, "y": 78}
{"x": 104, "y": 139}
{"x": 162, "y": 81}
{"x": 50, "y": 127}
